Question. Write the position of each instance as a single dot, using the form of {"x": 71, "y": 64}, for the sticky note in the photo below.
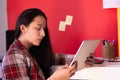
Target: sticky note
{"x": 69, "y": 19}
{"x": 111, "y": 3}
{"x": 62, "y": 26}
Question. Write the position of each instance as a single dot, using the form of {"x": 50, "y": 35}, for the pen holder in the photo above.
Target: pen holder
{"x": 108, "y": 52}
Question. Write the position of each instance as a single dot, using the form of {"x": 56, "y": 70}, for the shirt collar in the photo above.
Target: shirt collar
{"x": 21, "y": 47}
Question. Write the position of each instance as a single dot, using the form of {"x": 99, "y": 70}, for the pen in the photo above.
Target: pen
{"x": 113, "y": 41}
{"x": 108, "y": 42}
{"x": 103, "y": 42}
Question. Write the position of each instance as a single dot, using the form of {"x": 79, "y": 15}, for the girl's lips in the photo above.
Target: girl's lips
{"x": 40, "y": 39}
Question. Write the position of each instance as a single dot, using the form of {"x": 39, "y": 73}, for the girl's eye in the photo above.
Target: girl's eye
{"x": 38, "y": 28}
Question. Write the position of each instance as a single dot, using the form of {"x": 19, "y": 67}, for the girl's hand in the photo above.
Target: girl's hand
{"x": 64, "y": 72}
{"x": 89, "y": 60}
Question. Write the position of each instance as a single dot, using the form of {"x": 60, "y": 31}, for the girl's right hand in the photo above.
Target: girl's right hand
{"x": 64, "y": 72}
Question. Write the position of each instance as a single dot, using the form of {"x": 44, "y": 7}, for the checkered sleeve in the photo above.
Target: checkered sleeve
{"x": 14, "y": 67}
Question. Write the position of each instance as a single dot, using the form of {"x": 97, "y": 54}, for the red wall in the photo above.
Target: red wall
{"x": 90, "y": 21}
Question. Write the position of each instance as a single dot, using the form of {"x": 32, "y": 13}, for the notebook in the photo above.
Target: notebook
{"x": 86, "y": 48}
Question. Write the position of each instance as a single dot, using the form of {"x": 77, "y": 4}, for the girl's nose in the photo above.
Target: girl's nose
{"x": 42, "y": 32}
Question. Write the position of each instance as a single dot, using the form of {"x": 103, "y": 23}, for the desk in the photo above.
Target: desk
{"x": 106, "y": 71}
{"x": 98, "y": 73}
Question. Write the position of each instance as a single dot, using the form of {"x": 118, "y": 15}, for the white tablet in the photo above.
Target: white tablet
{"x": 86, "y": 48}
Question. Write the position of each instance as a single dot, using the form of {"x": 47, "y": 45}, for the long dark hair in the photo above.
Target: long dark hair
{"x": 26, "y": 17}
{"x": 43, "y": 53}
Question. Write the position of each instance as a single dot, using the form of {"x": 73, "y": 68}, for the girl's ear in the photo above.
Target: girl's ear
{"x": 23, "y": 28}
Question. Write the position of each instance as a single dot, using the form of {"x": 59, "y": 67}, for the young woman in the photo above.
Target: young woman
{"x": 20, "y": 62}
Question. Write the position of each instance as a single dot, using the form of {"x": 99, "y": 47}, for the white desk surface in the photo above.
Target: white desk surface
{"x": 108, "y": 71}
{"x": 98, "y": 73}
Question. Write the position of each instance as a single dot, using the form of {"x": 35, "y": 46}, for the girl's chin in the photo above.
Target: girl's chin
{"x": 36, "y": 44}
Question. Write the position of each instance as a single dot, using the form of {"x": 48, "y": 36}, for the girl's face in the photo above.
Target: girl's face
{"x": 34, "y": 33}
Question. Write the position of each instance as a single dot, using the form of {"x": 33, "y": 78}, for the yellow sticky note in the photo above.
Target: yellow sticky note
{"x": 62, "y": 26}
{"x": 69, "y": 19}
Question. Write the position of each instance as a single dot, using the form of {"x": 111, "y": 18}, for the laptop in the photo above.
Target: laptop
{"x": 86, "y": 48}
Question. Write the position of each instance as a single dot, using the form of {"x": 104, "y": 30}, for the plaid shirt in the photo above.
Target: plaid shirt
{"x": 18, "y": 64}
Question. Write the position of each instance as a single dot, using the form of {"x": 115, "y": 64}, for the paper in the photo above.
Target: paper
{"x": 62, "y": 26}
{"x": 111, "y": 3}
{"x": 69, "y": 20}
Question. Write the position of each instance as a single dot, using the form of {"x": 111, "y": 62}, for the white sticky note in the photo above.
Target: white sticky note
{"x": 111, "y": 3}
{"x": 69, "y": 19}
{"x": 62, "y": 26}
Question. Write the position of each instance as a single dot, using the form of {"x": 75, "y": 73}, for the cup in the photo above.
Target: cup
{"x": 108, "y": 52}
